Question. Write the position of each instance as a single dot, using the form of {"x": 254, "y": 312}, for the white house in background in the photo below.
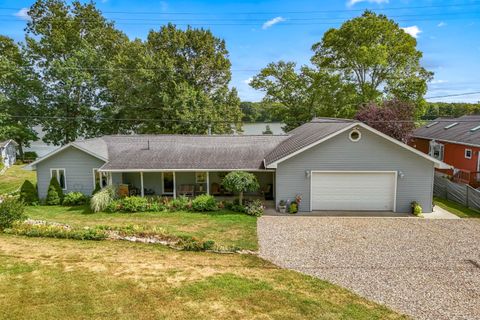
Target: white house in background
{"x": 8, "y": 152}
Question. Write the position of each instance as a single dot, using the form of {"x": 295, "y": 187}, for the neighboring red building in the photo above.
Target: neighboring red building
{"x": 455, "y": 142}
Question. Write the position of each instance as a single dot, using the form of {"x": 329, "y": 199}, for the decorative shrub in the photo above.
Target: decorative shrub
{"x": 11, "y": 210}
{"x": 235, "y": 206}
{"x": 254, "y": 208}
{"x": 240, "y": 182}
{"x": 74, "y": 199}
{"x": 28, "y": 193}
{"x": 134, "y": 204}
{"x": 97, "y": 188}
{"x": 293, "y": 208}
{"x": 101, "y": 200}
{"x": 180, "y": 204}
{"x": 54, "y": 193}
{"x": 204, "y": 202}
{"x": 30, "y": 155}
{"x": 56, "y": 231}
{"x": 416, "y": 208}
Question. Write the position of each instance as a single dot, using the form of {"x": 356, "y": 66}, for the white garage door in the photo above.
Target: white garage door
{"x": 353, "y": 191}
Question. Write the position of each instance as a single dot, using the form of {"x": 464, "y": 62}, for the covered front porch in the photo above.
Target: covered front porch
{"x": 186, "y": 183}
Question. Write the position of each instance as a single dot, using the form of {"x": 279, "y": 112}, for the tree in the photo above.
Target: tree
{"x": 28, "y": 193}
{"x": 240, "y": 182}
{"x": 393, "y": 117}
{"x": 54, "y": 193}
{"x": 178, "y": 81}
{"x": 70, "y": 47}
{"x": 18, "y": 95}
{"x": 376, "y": 55}
{"x": 304, "y": 94}
{"x": 450, "y": 109}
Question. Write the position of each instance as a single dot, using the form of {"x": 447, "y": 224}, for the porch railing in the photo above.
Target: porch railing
{"x": 468, "y": 177}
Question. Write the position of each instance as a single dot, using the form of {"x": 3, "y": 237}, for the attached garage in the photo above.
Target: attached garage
{"x": 353, "y": 190}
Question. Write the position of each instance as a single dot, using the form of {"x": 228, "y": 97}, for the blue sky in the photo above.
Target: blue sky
{"x": 259, "y": 32}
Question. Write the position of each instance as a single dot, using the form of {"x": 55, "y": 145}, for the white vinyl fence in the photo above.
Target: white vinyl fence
{"x": 457, "y": 192}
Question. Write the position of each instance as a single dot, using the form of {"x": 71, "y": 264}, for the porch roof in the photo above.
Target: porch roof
{"x": 194, "y": 152}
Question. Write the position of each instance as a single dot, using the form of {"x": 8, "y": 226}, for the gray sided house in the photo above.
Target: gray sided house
{"x": 333, "y": 164}
{"x": 8, "y": 152}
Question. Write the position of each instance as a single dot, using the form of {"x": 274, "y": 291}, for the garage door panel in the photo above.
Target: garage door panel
{"x": 353, "y": 191}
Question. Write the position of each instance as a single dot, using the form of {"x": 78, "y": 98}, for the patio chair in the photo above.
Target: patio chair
{"x": 186, "y": 190}
{"x": 215, "y": 189}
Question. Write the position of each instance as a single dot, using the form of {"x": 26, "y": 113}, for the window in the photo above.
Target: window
{"x": 61, "y": 178}
{"x": 475, "y": 129}
{"x": 168, "y": 182}
{"x": 451, "y": 125}
{"x": 100, "y": 177}
{"x": 436, "y": 150}
{"x": 355, "y": 135}
{"x": 201, "y": 177}
{"x": 432, "y": 124}
{"x": 468, "y": 153}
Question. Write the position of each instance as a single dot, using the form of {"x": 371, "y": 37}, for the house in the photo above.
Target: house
{"x": 8, "y": 152}
{"x": 455, "y": 142}
{"x": 334, "y": 164}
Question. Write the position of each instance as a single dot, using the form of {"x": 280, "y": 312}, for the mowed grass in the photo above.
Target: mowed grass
{"x": 14, "y": 177}
{"x": 225, "y": 228}
{"x": 66, "y": 279}
{"x": 457, "y": 209}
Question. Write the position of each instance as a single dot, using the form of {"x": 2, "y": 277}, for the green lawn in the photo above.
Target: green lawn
{"x": 225, "y": 228}
{"x": 457, "y": 209}
{"x": 43, "y": 278}
{"x": 14, "y": 177}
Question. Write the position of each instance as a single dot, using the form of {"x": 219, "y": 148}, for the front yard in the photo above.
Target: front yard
{"x": 42, "y": 278}
{"x": 224, "y": 227}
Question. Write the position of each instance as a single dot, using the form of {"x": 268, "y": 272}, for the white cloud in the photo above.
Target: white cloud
{"x": 413, "y": 31}
{"x": 247, "y": 81}
{"x": 272, "y": 22}
{"x": 441, "y": 24}
{"x": 353, "y": 2}
{"x": 22, "y": 14}
{"x": 439, "y": 81}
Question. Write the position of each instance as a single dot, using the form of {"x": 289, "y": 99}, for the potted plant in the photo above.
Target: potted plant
{"x": 416, "y": 208}
{"x": 293, "y": 208}
{"x": 282, "y": 206}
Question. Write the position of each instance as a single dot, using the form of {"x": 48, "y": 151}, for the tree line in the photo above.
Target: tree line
{"x": 77, "y": 75}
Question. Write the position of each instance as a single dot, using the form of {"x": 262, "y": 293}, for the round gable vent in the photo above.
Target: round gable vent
{"x": 355, "y": 135}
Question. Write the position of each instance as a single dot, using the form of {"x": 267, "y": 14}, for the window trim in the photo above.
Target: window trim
{"x": 471, "y": 154}
{"x": 100, "y": 173}
{"x": 355, "y": 131}
{"x": 432, "y": 146}
{"x": 64, "y": 176}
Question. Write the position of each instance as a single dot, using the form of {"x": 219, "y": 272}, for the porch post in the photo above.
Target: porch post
{"x": 174, "y": 186}
{"x": 142, "y": 193}
{"x": 208, "y": 182}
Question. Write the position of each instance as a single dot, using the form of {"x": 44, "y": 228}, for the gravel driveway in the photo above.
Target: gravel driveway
{"x": 428, "y": 269}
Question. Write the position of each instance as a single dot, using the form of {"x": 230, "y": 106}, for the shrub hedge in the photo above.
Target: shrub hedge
{"x": 74, "y": 199}
{"x": 28, "y": 193}
{"x": 11, "y": 210}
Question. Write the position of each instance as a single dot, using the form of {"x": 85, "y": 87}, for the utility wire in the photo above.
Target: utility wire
{"x": 454, "y": 94}
{"x": 475, "y": 3}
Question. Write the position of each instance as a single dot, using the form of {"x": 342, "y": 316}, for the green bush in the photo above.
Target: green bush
{"x": 97, "y": 189}
{"x": 54, "y": 193}
{"x": 235, "y": 206}
{"x": 255, "y": 208}
{"x": 30, "y": 155}
{"x": 416, "y": 208}
{"x": 102, "y": 199}
{"x": 56, "y": 231}
{"x": 293, "y": 208}
{"x": 179, "y": 204}
{"x": 74, "y": 199}
{"x": 204, "y": 202}
{"x": 28, "y": 193}
{"x": 11, "y": 210}
{"x": 134, "y": 204}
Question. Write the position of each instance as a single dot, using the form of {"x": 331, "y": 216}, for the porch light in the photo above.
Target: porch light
{"x": 307, "y": 174}
{"x": 401, "y": 174}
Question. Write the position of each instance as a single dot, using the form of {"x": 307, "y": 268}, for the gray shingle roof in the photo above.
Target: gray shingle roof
{"x": 305, "y": 135}
{"x": 97, "y": 146}
{"x": 188, "y": 151}
{"x": 460, "y": 133}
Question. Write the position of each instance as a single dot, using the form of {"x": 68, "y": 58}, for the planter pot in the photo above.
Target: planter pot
{"x": 282, "y": 209}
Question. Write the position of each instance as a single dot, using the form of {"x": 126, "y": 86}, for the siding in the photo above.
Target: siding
{"x": 78, "y": 167}
{"x": 371, "y": 153}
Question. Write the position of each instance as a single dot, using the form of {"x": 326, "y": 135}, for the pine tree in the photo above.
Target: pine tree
{"x": 28, "y": 193}
{"x": 55, "y": 193}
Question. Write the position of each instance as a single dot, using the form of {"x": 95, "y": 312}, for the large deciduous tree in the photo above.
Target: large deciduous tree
{"x": 179, "y": 80}
{"x": 70, "y": 46}
{"x": 18, "y": 95}
{"x": 367, "y": 59}
{"x": 392, "y": 117}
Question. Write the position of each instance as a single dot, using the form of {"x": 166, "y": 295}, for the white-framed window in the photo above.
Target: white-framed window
{"x": 436, "y": 150}
{"x": 99, "y": 177}
{"x": 61, "y": 176}
{"x": 468, "y": 153}
{"x": 354, "y": 135}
